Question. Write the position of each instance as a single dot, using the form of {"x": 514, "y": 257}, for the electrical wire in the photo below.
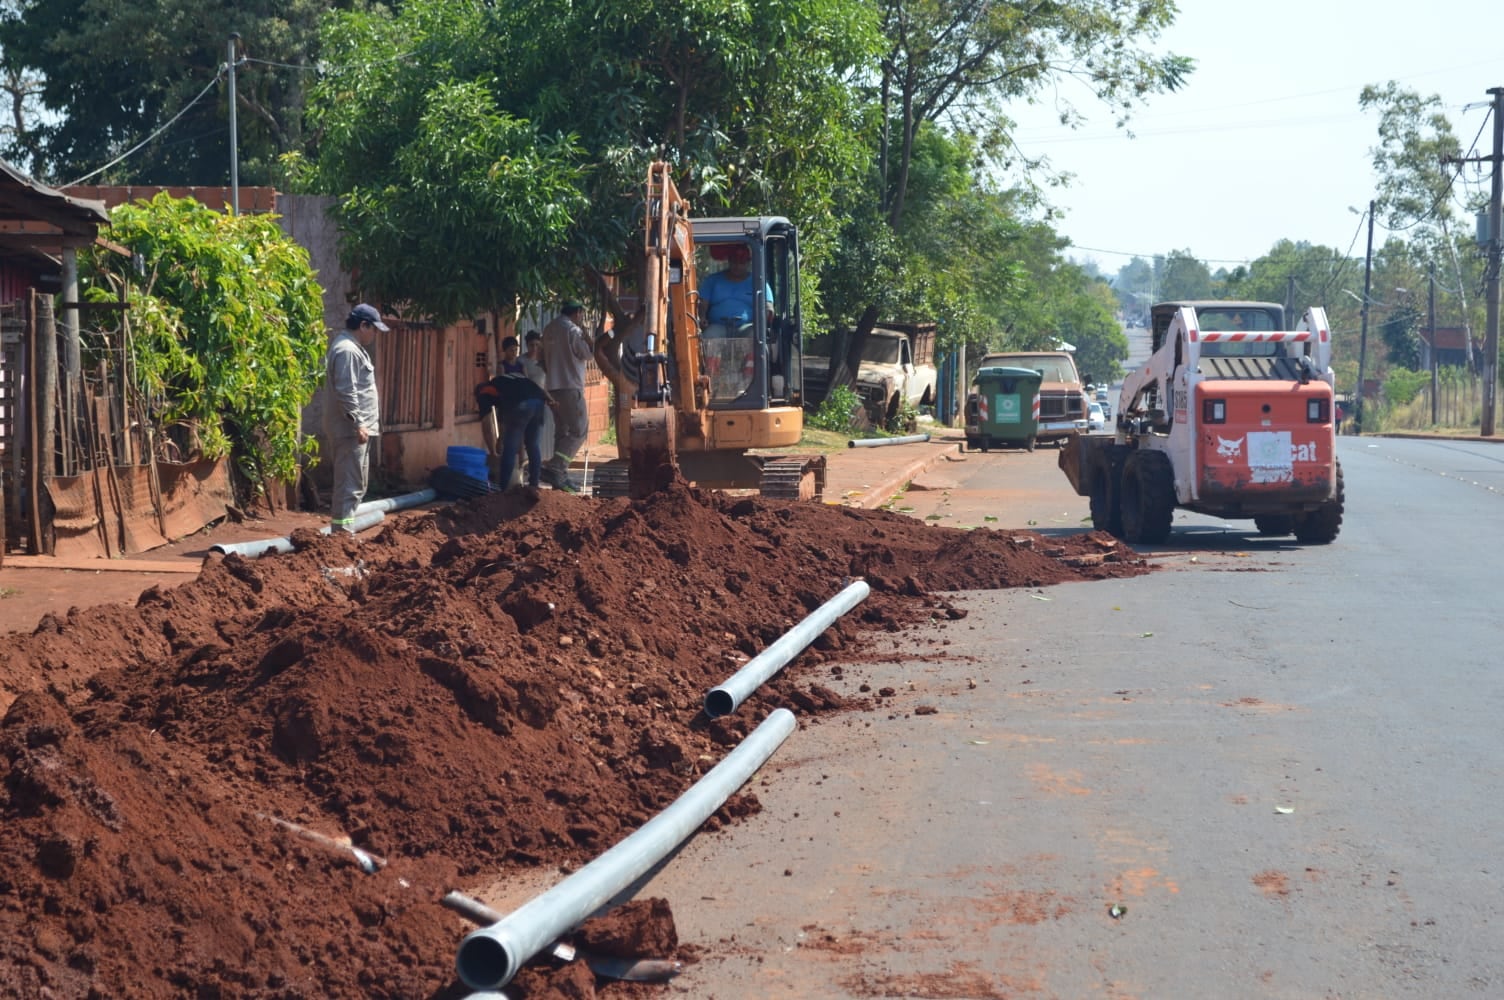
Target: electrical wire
{"x": 1430, "y": 213}
{"x": 280, "y": 65}
{"x": 172, "y": 121}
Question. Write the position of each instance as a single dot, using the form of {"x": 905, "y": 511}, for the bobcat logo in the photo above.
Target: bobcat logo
{"x": 1229, "y": 449}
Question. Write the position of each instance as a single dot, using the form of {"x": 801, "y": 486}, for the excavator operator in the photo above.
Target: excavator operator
{"x": 727, "y": 298}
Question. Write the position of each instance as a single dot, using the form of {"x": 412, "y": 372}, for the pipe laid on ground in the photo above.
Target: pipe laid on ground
{"x": 398, "y": 503}
{"x": 471, "y": 909}
{"x": 261, "y": 546}
{"x": 723, "y": 699}
{"x": 490, "y": 957}
{"x": 879, "y": 442}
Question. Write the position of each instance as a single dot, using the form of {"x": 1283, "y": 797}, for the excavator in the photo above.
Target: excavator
{"x": 696, "y": 400}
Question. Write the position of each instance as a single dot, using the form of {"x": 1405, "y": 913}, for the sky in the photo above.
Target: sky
{"x": 1266, "y": 141}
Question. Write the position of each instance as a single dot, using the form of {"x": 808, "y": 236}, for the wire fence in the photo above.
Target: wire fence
{"x": 1458, "y": 405}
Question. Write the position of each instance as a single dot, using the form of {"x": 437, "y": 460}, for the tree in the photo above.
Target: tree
{"x": 1135, "y": 286}
{"x": 115, "y": 71}
{"x": 1415, "y": 145}
{"x": 1416, "y": 162}
{"x": 1184, "y": 277}
{"x": 961, "y": 61}
{"x": 416, "y": 123}
{"x": 22, "y": 88}
{"x": 227, "y": 326}
{"x": 956, "y": 64}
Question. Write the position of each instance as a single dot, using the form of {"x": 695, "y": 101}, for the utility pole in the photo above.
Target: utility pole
{"x": 1431, "y": 321}
{"x": 1363, "y": 330}
{"x": 1491, "y": 333}
{"x": 234, "y": 131}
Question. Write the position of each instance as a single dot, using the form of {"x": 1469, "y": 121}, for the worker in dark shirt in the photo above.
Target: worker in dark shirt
{"x": 519, "y": 403}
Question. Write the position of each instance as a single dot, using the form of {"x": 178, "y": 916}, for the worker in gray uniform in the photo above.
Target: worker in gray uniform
{"x": 351, "y": 414}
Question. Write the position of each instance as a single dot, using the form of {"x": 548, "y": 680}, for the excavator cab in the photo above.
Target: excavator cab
{"x": 752, "y": 360}
{"x": 710, "y": 370}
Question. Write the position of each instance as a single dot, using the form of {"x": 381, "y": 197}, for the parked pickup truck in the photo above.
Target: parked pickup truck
{"x": 897, "y": 367}
{"x": 1062, "y": 397}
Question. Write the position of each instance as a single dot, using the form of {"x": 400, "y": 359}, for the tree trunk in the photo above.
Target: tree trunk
{"x": 846, "y": 358}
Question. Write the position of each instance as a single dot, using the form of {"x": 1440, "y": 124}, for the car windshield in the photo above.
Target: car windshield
{"x": 881, "y": 350}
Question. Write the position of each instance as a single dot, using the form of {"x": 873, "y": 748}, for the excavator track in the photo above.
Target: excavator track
{"x": 786, "y": 477}
{"x": 793, "y": 477}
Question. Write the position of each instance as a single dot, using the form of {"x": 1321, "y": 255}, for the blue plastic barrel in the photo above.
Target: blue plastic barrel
{"x": 473, "y": 462}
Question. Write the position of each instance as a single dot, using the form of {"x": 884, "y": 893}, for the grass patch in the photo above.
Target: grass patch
{"x": 812, "y": 440}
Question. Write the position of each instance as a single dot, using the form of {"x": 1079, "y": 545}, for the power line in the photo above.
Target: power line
{"x": 1430, "y": 213}
{"x": 173, "y": 120}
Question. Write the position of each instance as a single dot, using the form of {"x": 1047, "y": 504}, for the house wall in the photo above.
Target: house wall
{"x": 425, "y": 376}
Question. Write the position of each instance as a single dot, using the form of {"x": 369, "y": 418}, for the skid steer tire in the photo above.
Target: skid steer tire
{"x": 1105, "y": 495}
{"x": 1320, "y": 526}
{"x": 1148, "y": 498}
{"x": 1274, "y": 524}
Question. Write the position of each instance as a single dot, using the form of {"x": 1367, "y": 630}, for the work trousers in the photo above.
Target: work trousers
{"x": 571, "y": 424}
{"x": 522, "y": 428}
{"x": 350, "y": 479}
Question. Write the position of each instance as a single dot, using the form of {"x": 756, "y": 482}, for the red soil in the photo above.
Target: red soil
{"x": 492, "y": 686}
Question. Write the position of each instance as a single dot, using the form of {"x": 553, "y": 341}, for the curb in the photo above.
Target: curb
{"x": 883, "y": 491}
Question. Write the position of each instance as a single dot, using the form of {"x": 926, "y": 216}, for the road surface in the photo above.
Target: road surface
{"x": 1268, "y": 770}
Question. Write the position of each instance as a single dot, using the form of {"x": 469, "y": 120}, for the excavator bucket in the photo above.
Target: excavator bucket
{"x": 652, "y": 464}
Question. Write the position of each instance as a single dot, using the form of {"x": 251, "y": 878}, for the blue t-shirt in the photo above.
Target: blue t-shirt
{"x": 728, "y": 300}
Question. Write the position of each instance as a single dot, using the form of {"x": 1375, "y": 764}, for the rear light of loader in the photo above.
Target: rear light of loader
{"x": 1318, "y": 411}
{"x": 1214, "y": 411}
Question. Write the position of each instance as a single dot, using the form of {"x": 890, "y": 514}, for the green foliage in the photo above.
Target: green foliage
{"x": 226, "y": 326}
{"x": 116, "y": 70}
{"x": 1135, "y": 286}
{"x": 1401, "y": 385}
{"x": 503, "y": 147}
{"x": 1183, "y": 276}
{"x": 1087, "y": 320}
{"x": 839, "y": 410}
{"x": 1412, "y": 159}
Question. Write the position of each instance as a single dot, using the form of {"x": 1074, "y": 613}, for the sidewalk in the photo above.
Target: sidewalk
{"x": 869, "y": 477}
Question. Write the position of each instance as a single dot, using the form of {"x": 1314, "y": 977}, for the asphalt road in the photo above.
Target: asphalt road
{"x": 1282, "y": 763}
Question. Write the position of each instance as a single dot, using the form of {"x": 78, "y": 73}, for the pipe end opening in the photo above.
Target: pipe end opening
{"x": 719, "y": 703}
{"x": 484, "y": 963}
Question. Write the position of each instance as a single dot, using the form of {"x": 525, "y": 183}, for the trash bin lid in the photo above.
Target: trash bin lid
{"x": 1000, "y": 371}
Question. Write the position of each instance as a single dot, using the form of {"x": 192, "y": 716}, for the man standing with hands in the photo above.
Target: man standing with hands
{"x": 566, "y": 348}
{"x": 351, "y": 414}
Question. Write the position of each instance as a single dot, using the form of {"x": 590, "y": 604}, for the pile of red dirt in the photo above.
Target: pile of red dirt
{"x": 495, "y": 685}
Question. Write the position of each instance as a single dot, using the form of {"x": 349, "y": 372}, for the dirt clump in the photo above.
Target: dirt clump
{"x": 498, "y": 685}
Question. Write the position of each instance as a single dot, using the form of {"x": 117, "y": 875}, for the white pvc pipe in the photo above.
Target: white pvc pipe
{"x": 261, "y": 546}
{"x": 879, "y": 442}
{"x": 724, "y": 699}
{"x": 490, "y": 957}
{"x": 398, "y": 503}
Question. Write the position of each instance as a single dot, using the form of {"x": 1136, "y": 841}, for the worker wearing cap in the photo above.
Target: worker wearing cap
{"x": 351, "y": 414}
{"x": 728, "y": 297}
{"x": 734, "y": 355}
{"x": 566, "y": 348}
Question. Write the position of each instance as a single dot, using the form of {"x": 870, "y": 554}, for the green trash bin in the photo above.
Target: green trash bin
{"x": 1003, "y": 408}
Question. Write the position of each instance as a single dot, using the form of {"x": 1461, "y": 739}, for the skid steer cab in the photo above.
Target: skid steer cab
{"x": 1231, "y": 416}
